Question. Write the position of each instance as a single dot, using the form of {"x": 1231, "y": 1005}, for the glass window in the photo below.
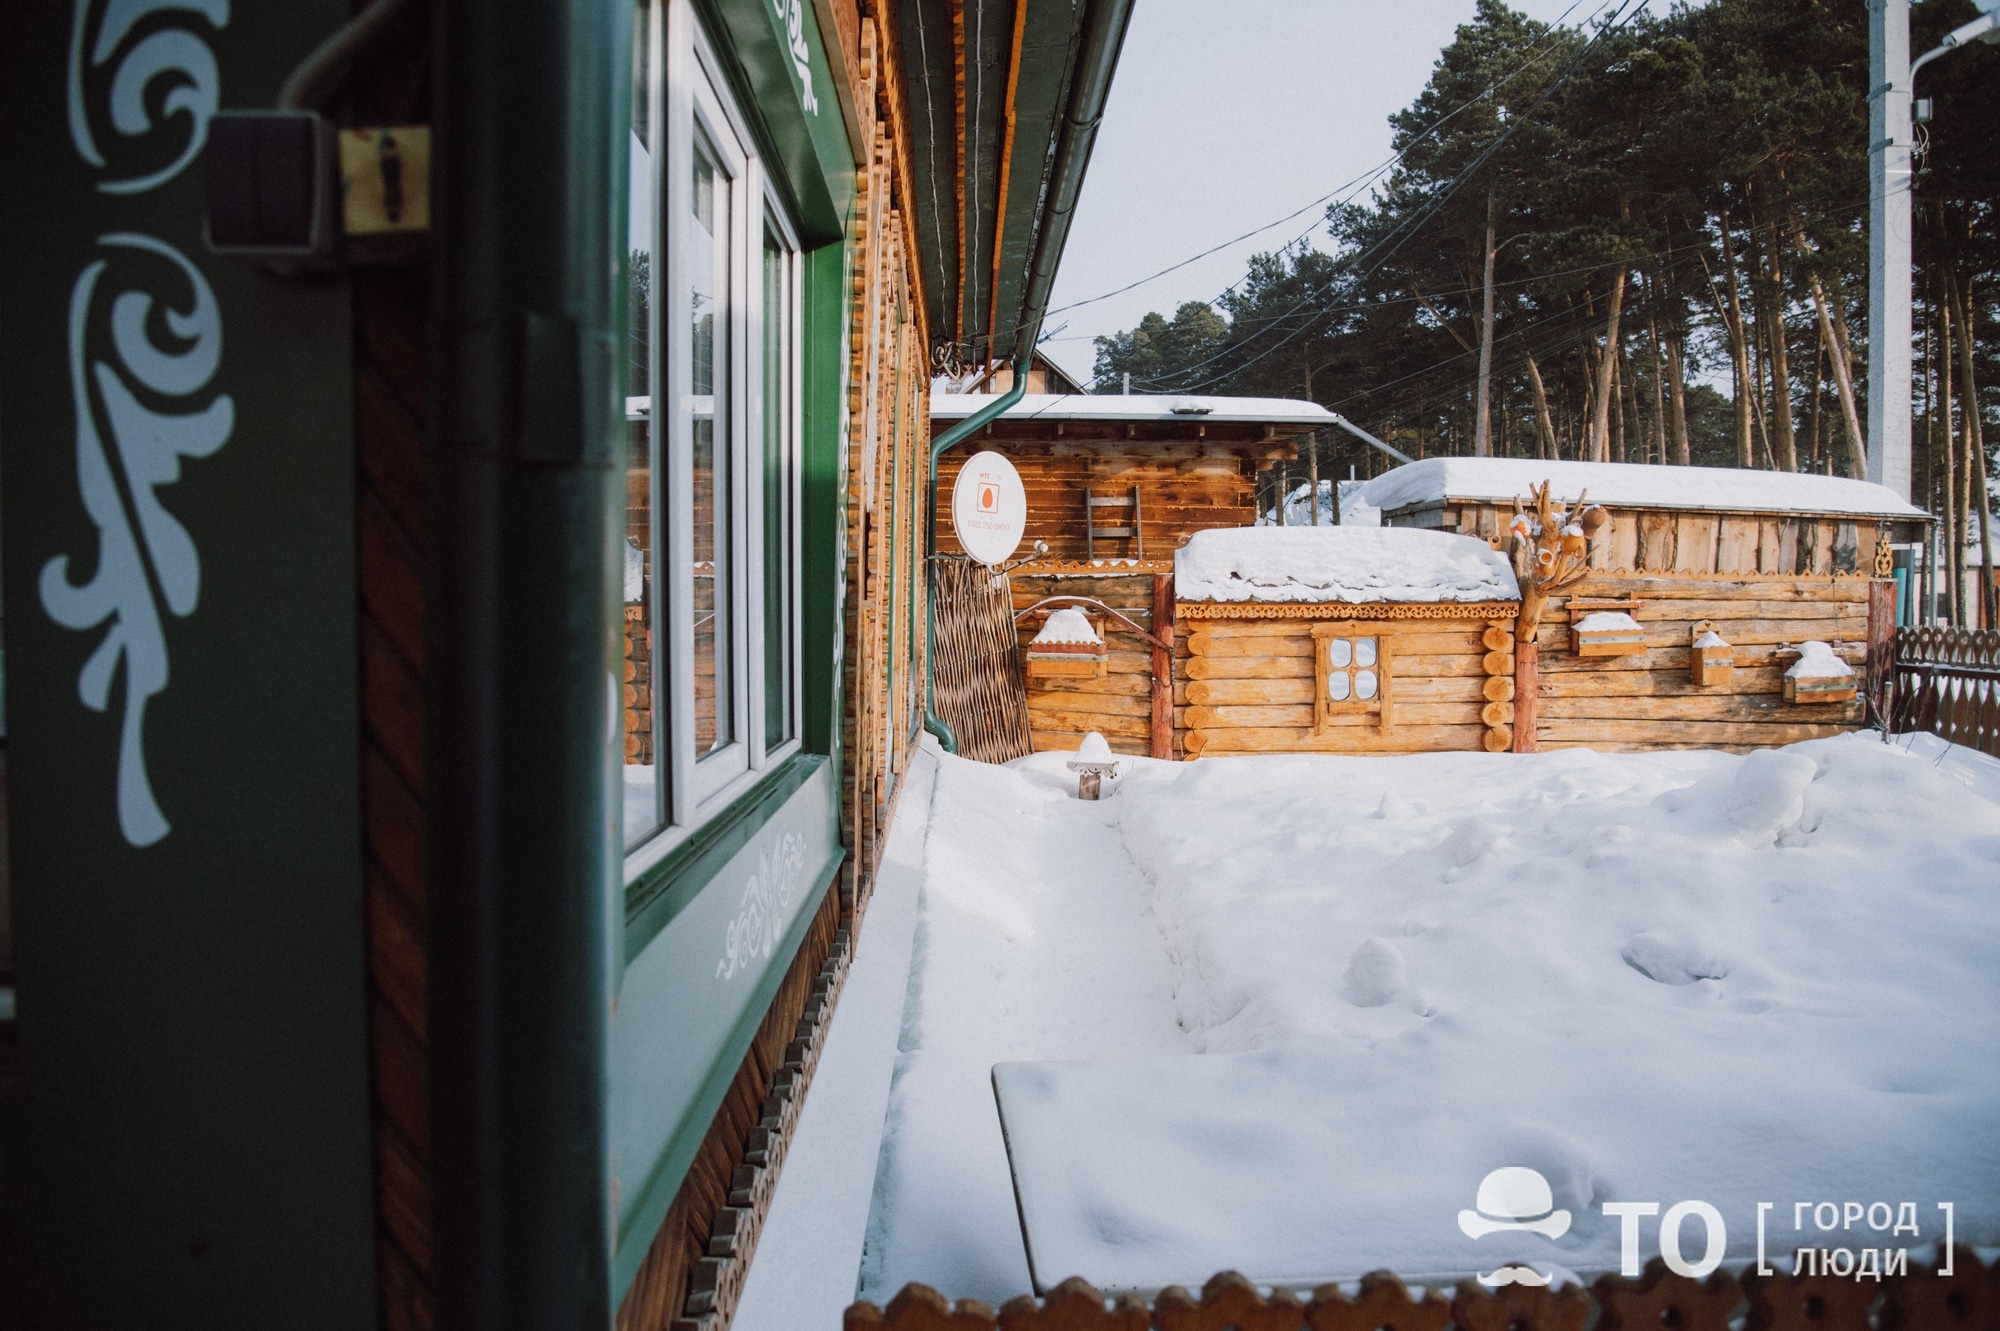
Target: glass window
{"x": 643, "y": 809}
{"x": 710, "y": 521}
{"x": 709, "y": 444}
{"x": 778, "y": 482}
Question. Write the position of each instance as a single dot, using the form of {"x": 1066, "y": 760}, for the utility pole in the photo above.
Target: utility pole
{"x": 1889, "y": 244}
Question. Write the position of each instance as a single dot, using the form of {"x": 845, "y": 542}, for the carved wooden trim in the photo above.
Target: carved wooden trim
{"x": 1347, "y": 610}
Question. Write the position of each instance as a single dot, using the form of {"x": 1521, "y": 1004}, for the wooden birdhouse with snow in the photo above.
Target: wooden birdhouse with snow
{"x": 1711, "y": 660}
{"x": 1607, "y": 633}
{"x": 1068, "y": 645}
{"x": 1819, "y": 676}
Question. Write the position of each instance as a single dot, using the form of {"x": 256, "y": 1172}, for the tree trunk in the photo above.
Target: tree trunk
{"x": 1975, "y": 442}
{"x": 1818, "y": 398}
{"x": 1653, "y": 373}
{"x": 1677, "y": 397}
{"x": 1482, "y": 425}
{"x": 1600, "y": 425}
{"x": 1621, "y": 371}
{"x": 1843, "y": 370}
{"x": 1545, "y": 426}
{"x": 1954, "y": 524}
{"x": 1739, "y": 350}
{"x": 1784, "y": 438}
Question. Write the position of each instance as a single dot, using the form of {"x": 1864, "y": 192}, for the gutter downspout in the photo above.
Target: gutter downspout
{"x": 1104, "y": 36}
{"x": 1369, "y": 439}
{"x": 971, "y": 424}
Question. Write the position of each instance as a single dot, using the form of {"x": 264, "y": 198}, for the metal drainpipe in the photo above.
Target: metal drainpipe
{"x": 932, "y": 721}
{"x": 1104, "y": 36}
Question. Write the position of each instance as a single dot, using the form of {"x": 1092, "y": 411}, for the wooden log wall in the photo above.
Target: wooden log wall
{"x": 1119, "y": 705}
{"x": 1178, "y": 495}
{"x": 1637, "y": 540}
{"x": 887, "y": 475}
{"x": 1244, "y": 683}
{"x": 1650, "y": 701}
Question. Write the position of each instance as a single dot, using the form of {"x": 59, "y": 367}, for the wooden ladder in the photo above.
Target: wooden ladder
{"x": 1091, "y": 531}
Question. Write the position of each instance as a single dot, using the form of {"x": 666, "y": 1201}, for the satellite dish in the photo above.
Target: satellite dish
{"x": 989, "y": 507}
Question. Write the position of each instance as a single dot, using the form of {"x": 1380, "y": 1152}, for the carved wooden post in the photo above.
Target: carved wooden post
{"x": 1163, "y": 666}
{"x": 1881, "y": 667}
{"x": 1527, "y": 687}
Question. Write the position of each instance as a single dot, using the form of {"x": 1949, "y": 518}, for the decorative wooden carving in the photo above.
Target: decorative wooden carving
{"x": 1383, "y": 1303}
{"x": 1519, "y": 1308}
{"x": 1227, "y": 1300}
{"x": 1553, "y": 550}
{"x": 1966, "y": 1300}
{"x": 1487, "y": 610}
{"x": 1659, "y": 1298}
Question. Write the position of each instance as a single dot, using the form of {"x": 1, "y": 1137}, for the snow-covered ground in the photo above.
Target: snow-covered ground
{"x": 1299, "y": 1007}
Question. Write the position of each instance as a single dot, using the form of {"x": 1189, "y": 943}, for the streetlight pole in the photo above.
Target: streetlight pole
{"x": 1889, "y": 76}
{"x": 1889, "y": 244}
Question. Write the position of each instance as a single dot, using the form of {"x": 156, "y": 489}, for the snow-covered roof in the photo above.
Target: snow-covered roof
{"x": 1140, "y": 407}
{"x": 1633, "y": 485}
{"x": 1331, "y": 564}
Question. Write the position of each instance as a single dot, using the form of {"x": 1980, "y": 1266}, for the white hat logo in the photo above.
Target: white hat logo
{"x": 1514, "y": 1199}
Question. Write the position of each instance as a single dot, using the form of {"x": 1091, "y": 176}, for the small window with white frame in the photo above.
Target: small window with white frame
{"x": 712, "y": 419}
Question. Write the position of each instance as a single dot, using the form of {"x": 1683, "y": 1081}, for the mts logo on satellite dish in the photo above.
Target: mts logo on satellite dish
{"x": 989, "y": 492}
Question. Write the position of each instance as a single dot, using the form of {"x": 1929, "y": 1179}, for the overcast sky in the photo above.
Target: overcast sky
{"x": 1227, "y": 116}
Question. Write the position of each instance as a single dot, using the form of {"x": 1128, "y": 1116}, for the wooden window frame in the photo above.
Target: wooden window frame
{"x": 1382, "y": 705}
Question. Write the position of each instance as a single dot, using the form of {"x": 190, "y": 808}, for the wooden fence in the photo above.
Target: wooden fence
{"x": 978, "y": 681}
{"x": 1947, "y": 681}
{"x": 1922, "y": 1300}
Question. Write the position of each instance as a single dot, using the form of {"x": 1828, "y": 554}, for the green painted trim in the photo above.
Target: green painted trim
{"x": 637, "y": 1239}
{"x": 823, "y": 521}
{"x": 806, "y": 149}
{"x": 665, "y": 889}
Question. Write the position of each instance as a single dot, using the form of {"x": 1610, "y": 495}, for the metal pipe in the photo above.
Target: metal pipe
{"x": 964, "y": 429}
{"x": 1104, "y": 36}
{"x": 1369, "y": 439}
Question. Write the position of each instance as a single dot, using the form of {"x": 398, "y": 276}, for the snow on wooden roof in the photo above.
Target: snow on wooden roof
{"x": 1140, "y": 407}
{"x": 1633, "y": 485}
{"x": 1335, "y": 564}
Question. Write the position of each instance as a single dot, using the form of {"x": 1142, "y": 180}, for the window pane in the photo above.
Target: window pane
{"x": 1337, "y": 686}
{"x": 1364, "y": 651}
{"x": 1364, "y": 684}
{"x": 708, "y": 274}
{"x": 777, "y": 495}
{"x": 642, "y": 794}
{"x": 1340, "y": 653}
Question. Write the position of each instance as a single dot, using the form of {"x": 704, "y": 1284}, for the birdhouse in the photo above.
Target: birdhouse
{"x": 1607, "y": 633}
{"x": 1093, "y": 762}
{"x": 1068, "y": 645}
{"x": 1711, "y": 660}
{"x": 1819, "y": 676}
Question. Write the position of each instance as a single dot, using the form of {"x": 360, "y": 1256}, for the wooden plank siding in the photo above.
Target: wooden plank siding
{"x": 1119, "y": 705}
{"x": 1650, "y": 701}
{"x": 1174, "y": 502}
{"x": 1640, "y": 540}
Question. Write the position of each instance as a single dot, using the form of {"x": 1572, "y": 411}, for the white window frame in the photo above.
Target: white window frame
{"x": 693, "y": 96}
